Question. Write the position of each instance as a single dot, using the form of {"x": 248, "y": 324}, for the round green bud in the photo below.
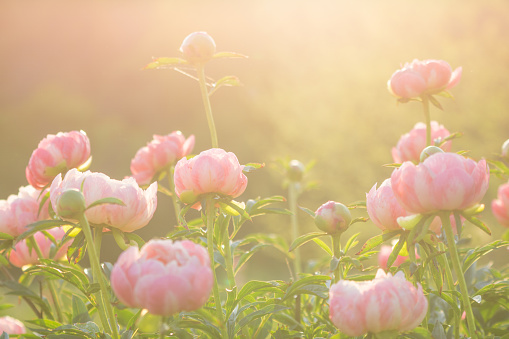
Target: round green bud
{"x": 429, "y": 151}
{"x": 295, "y": 170}
{"x": 71, "y": 204}
{"x": 333, "y": 217}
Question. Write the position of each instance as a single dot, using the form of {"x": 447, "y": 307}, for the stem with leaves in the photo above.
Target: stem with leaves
{"x": 336, "y": 245}
{"x": 456, "y": 264}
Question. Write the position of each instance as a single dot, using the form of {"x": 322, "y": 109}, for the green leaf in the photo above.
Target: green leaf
{"x": 235, "y": 206}
{"x": 395, "y": 251}
{"x": 473, "y": 255}
{"x": 308, "y": 211}
{"x": 299, "y": 286}
{"x": 304, "y": 239}
{"x": 269, "y": 309}
{"x": 378, "y": 240}
{"x": 252, "y": 166}
{"x": 46, "y": 323}
{"x": 251, "y": 287}
{"x": 324, "y": 246}
{"x": 165, "y": 62}
{"x": 435, "y": 102}
{"x": 228, "y": 55}
{"x": 5, "y": 236}
{"x": 351, "y": 242}
{"x": 79, "y": 311}
{"x": 42, "y": 226}
{"x": 103, "y": 201}
{"x": 479, "y": 224}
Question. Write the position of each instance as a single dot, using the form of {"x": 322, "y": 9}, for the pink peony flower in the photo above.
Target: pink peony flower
{"x": 420, "y": 78}
{"x": 383, "y": 207}
{"x": 11, "y": 326}
{"x": 198, "y": 48}
{"x": 212, "y": 171}
{"x": 21, "y": 256}
{"x": 444, "y": 181}
{"x": 387, "y": 303}
{"x": 333, "y": 217}
{"x": 411, "y": 145}
{"x": 139, "y": 208}
{"x": 21, "y": 210}
{"x": 160, "y": 153}
{"x": 57, "y": 154}
{"x": 164, "y": 277}
{"x": 500, "y": 206}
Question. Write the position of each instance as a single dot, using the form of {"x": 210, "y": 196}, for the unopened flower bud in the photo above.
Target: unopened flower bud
{"x": 198, "y": 48}
{"x": 71, "y": 204}
{"x": 296, "y": 170}
{"x": 333, "y": 217}
{"x": 505, "y": 150}
{"x": 429, "y": 151}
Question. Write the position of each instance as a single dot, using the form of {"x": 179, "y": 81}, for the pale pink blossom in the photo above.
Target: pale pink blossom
{"x": 21, "y": 210}
{"x": 10, "y": 325}
{"x": 56, "y": 154}
{"x": 198, "y": 48}
{"x": 139, "y": 208}
{"x": 20, "y": 255}
{"x": 333, "y": 217}
{"x": 500, "y": 206}
{"x": 383, "y": 207}
{"x": 212, "y": 171}
{"x": 161, "y": 153}
{"x": 420, "y": 78}
{"x": 387, "y": 303}
{"x": 444, "y": 181}
{"x": 383, "y": 257}
{"x": 411, "y": 144}
{"x": 164, "y": 277}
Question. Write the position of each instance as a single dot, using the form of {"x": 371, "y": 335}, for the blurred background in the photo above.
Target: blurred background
{"x": 314, "y": 90}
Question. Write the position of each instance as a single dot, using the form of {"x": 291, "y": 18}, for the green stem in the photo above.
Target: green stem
{"x": 450, "y": 285}
{"x": 162, "y": 329}
{"x": 292, "y": 201}
{"x": 28, "y": 301}
{"x": 336, "y": 245}
{"x": 174, "y": 198}
{"x": 200, "y": 69}
{"x": 228, "y": 257}
{"x": 210, "y": 214}
{"x": 456, "y": 264}
{"x": 102, "y": 298}
{"x": 427, "y": 118}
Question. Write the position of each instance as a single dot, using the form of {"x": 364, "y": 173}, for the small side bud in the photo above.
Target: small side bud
{"x": 429, "y": 151}
{"x": 188, "y": 197}
{"x": 333, "y": 217}
{"x": 71, "y": 204}
{"x": 295, "y": 170}
{"x": 505, "y": 150}
{"x": 198, "y": 48}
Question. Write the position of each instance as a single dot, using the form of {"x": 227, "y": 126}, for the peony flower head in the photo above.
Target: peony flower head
{"x": 21, "y": 210}
{"x": 57, "y": 154}
{"x": 333, "y": 217}
{"x": 10, "y": 325}
{"x": 139, "y": 208}
{"x": 443, "y": 181}
{"x": 423, "y": 77}
{"x": 387, "y": 303}
{"x": 164, "y": 277}
{"x": 500, "y": 206}
{"x": 159, "y": 154}
{"x": 212, "y": 171}
{"x": 198, "y": 48}
{"x": 411, "y": 144}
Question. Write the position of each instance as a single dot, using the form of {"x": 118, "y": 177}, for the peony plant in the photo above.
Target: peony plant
{"x": 188, "y": 282}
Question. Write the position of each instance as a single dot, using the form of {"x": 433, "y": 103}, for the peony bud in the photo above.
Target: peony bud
{"x": 428, "y": 151}
{"x": 295, "y": 171}
{"x": 333, "y": 217}
{"x": 198, "y": 48}
{"x": 71, "y": 204}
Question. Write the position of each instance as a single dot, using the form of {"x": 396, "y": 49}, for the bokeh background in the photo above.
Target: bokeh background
{"x": 314, "y": 90}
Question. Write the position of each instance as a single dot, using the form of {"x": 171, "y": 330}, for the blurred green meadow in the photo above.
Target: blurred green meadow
{"x": 314, "y": 89}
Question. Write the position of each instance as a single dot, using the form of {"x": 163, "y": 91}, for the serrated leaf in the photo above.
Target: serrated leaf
{"x": 378, "y": 240}
{"x": 304, "y": 239}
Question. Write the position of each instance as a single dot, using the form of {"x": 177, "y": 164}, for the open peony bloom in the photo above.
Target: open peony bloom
{"x": 160, "y": 153}
{"x": 443, "y": 181}
{"x": 21, "y": 255}
{"x": 57, "y": 154}
{"x": 500, "y": 206}
{"x": 212, "y": 171}
{"x": 139, "y": 208}
{"x": 421, "y": 78}
{"x": 333, "y": 217}
{"x": 411, "y": 144}
{"x": 10, "y": 325}
{"x": 164, "y": 277}
{"x": 21, "y": 210}
{"x": 387, "y": 303}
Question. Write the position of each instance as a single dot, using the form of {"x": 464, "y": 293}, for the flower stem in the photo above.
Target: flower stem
{"x": 206, "y": 103}
{"x": 210, "y": 214}
{"x": 292, "y": 201}
{"x": 171, "y": 181}
{"x": 446, "y": 224}
{"x": 450, "y": 286}
{"x": 228, "y": 257}
{"x": 427, "y": 118}
{"x": 336, "y": 245}
{"x": 108, "y": 317}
